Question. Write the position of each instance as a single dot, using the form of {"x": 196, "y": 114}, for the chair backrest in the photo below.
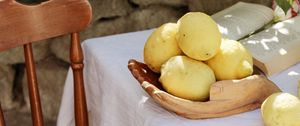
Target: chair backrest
{"x": 23, "y": 24}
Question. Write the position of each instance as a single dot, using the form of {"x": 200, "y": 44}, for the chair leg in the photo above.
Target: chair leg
{"x": 2, "y": 122}
{"x": 76, "y": 56}
{"x": 35, "y": 104}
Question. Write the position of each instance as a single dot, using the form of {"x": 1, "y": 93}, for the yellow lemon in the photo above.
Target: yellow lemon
{"x": 187, "y": 78}
{"x": 233, "y": 61}
{"x": 198, "y": 36}
{"x": 160, "y": 46}
{"x": 281, "y": 109}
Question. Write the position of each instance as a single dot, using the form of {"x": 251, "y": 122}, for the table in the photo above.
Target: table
{"x": 114, "y": 97}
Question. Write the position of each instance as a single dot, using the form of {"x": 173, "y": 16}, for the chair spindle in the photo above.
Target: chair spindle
{"x": 35, "y": 104}
{"x": 76, "y": 57}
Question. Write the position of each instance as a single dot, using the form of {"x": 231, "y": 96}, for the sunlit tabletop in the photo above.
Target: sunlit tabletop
{"x": 114, "y": 97}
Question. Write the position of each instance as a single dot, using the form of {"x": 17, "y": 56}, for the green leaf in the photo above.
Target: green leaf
{"x": 284, "y": 5}
{"x": 291, "y": 2}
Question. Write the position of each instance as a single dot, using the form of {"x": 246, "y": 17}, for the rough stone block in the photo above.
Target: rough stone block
{"x": 109, "y": 8}
{"x": 138, "y": 20}
{"x": 7, "y": 74}
{"x": 213, "y": 6}
{"x": 175, "y": 3}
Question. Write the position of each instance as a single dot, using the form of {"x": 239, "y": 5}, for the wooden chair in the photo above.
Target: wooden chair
{"x": 23, "y": 24}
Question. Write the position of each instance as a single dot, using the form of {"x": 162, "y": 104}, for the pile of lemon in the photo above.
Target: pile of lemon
{"x": 191, "y": 55}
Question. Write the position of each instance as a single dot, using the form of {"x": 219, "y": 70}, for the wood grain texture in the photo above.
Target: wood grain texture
{"x": 35, "y": 103}
{"x": 81, "y": 116}
{"x": 2, "y": 122}
{"x": 21, "y": 24}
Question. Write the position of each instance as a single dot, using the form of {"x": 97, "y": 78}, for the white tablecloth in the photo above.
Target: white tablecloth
{"x": 115, "y": 98}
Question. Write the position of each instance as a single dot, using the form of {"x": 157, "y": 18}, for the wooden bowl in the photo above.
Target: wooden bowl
{"x": 227, "y": 97}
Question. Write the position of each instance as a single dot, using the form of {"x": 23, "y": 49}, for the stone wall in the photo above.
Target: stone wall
{"x": 109, "y": 17}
